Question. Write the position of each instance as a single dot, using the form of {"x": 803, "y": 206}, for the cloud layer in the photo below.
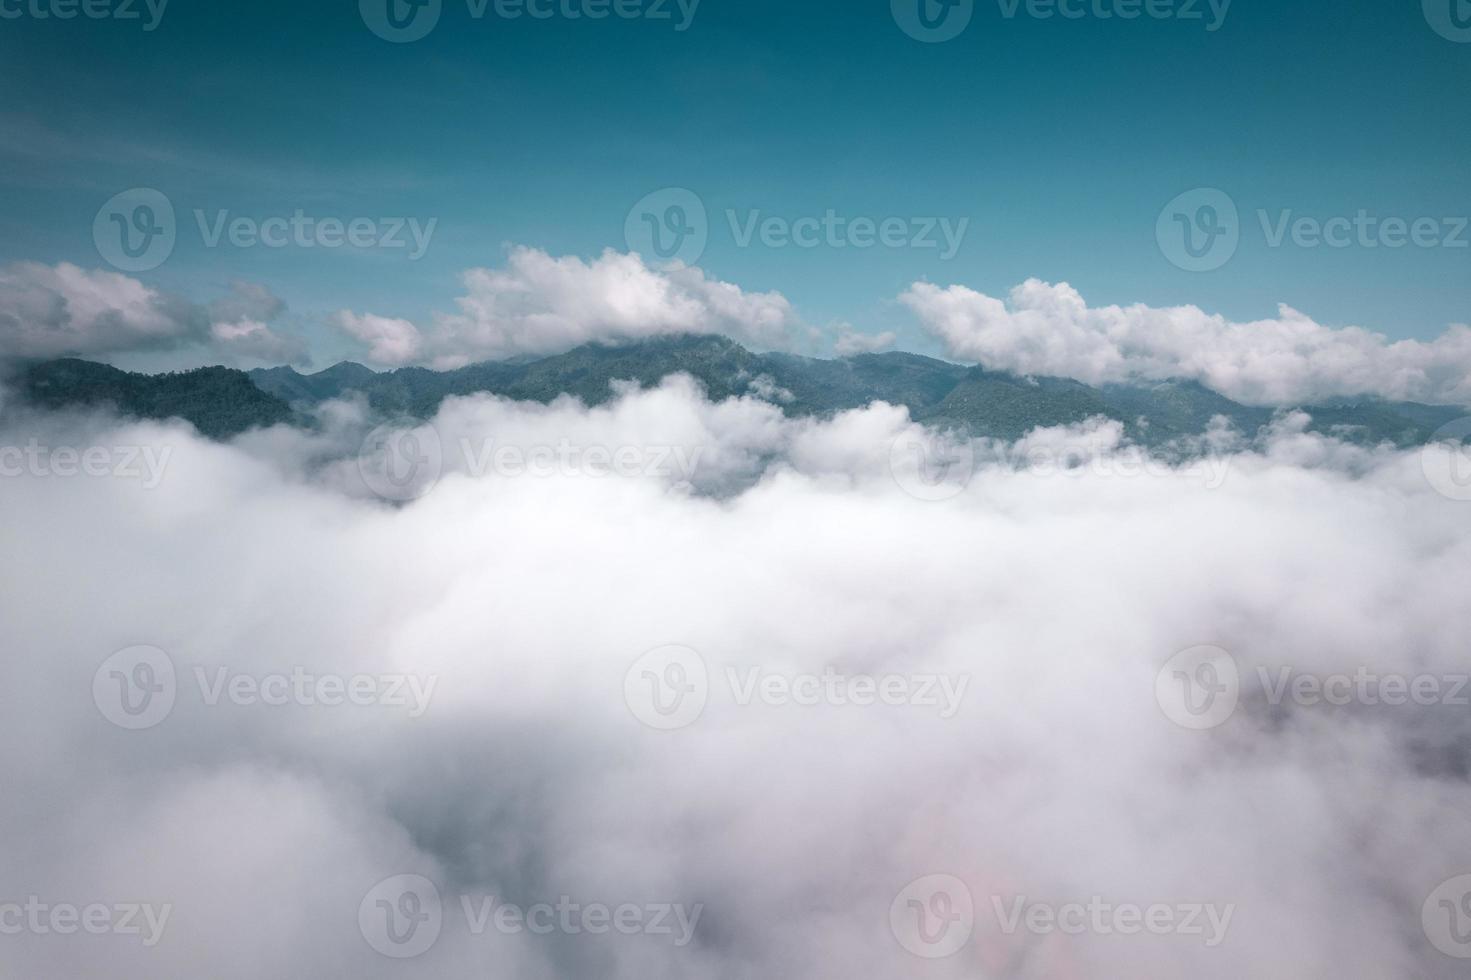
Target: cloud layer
{"x": 1048, "y": 329}
{"x": 64, "y": 310}
{"x": 792, "y": 547}
{"x": 540, "y": 304}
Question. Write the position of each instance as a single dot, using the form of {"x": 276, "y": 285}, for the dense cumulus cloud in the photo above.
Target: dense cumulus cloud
{"x": 65, "y": 310}
{"x": 538, "y": 304}
{"x": 543, "y": 304}
{"x": 1034, "y": 591}
{"x": 1048, "y": 329}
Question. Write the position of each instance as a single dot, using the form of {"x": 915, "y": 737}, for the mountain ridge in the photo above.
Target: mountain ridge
{"x": 223, "y": 402}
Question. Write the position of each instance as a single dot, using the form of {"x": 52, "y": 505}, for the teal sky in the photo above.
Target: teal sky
{"x": 1059, "y": 140}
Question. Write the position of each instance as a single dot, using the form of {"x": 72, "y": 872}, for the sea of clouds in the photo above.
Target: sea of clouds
{"x": 640, "y": 687}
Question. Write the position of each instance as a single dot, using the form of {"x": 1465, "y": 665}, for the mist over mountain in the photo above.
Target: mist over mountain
{"x": 1164, "y": 415}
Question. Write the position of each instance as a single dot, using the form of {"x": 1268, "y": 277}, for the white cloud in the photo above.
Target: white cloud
{"x": 851, "y": 342}
{"x": 50, "y": 311}
{"x": 391, "y": 342}
{"x": 540, "y": 304}
{"x": 64, "y": 310}
{"x": 1049, "y": 330}
{"x": 1059, "y": 592}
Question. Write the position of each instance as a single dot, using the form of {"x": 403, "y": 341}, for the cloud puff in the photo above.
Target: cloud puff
{"x": 540, "y": 304}
{"x": 799, "y": 547}
{"x": 852, "y": 342}
{"x": 1048, "y": 329}
{"x": 49, "y": 311}
{"x": 64, "y": 310}
{"x": 391, "y": 342}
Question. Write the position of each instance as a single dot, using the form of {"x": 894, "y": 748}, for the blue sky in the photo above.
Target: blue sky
{"x": 1059, "y": 140}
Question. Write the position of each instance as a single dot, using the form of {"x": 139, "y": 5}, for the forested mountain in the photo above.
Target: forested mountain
{"x": 222, "y": 402}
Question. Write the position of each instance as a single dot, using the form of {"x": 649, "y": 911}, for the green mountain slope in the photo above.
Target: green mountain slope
{"x": 222, "y": 402}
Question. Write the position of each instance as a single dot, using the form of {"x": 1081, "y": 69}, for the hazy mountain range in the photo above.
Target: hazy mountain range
{"x": 222, "y": 402}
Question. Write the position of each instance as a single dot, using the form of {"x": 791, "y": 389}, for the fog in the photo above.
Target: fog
{"x": 1016, "y": 606}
